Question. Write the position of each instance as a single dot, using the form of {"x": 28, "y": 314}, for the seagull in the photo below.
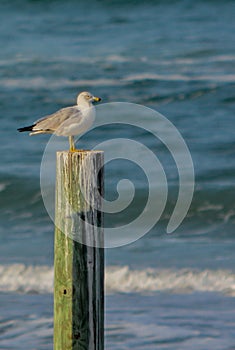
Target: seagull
{"x": 68, "y": 121}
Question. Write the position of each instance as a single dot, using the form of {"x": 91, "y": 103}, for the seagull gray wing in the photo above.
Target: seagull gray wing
{"x": 55, "y": 120}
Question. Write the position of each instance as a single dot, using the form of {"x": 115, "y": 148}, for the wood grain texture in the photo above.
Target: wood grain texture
{"x": 78, "y": 261}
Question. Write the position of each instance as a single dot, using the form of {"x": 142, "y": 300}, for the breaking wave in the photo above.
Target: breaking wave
{"x": 121, "y": 279}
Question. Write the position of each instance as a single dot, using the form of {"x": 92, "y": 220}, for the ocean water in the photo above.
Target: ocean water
{"x": 164, "y": 291}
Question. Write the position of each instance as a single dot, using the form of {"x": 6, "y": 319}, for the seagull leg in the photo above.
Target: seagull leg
{"x": 71, "y": 144}
{"x": 72, "y": 147}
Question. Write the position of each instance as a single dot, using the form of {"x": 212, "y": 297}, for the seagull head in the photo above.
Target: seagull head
{"x": 87, "y": 98}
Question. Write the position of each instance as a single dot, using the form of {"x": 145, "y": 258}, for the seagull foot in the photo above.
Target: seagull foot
{"x": 77, "y": 150}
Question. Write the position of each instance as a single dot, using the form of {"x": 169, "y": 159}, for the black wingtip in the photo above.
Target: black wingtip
{"x": 26, "y": 128}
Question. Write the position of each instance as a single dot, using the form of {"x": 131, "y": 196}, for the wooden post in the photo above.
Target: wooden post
{"x": 79, "y": 256}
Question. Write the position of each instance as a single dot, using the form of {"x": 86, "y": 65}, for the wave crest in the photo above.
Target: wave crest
{"x": 39, "y": 279}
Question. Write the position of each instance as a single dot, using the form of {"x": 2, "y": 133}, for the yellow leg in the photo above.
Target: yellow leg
{"x": 71, "y": 144}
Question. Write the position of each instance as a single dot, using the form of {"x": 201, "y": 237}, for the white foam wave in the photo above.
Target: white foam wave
{"x": 123, "y": 279}
{"x": 26, "y": 279}
{"x": 40, "y": 82}
{"x": 39, "y": 279}
{"x": 50, "y": 83}
{"x": 118, "y": 58}
{"x": 222, "y": 78}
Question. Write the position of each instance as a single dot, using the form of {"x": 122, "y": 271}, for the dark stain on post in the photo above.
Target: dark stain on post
{"x": 77, "y": 335}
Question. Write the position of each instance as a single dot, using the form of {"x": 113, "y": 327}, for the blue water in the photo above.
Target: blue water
{"x": 176, "y": 57}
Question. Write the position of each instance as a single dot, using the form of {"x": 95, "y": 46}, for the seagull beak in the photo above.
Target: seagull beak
{"x": 96, "y": 99}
